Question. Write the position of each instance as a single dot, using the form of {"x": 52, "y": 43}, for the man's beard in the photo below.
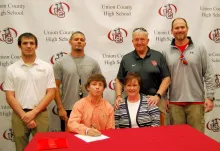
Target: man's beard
{"x": 78, "y": 49}
{"x": 181, "y": 37}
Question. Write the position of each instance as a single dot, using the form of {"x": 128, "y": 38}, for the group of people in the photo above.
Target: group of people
{"x": 175, "y": 77}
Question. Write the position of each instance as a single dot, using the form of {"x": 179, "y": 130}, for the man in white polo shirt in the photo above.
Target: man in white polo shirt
{"x": 30, "y": 87}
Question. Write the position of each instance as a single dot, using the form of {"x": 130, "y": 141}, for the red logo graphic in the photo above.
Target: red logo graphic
{"x": 111, "y": 85}
{"x": 154, "y": 63}
{"x": 167, "y": 11}
{"x": 213, "y": 125}
{"x": 8, "y": 35}
{"x": 54, "y": 110}
{"x": 215, "y": 35}
{"x": 117, "y": 35}
{"x": 9, "y": 135}
{"x": 59, "y": 9}
{"x": 57, "y": 56}
{"x": 1, "y": 87}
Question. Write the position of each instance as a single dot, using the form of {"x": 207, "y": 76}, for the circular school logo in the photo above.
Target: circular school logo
{"x": 59, "y": 9}
{"x": 214, "y": 35}
{"x": 117, "y": 35}
{"x": 167, "y": 11}
{"x": 7, "y": 35}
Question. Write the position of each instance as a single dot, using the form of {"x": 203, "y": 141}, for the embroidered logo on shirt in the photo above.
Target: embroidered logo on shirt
{"x": 133, "y": 65}
{"x": 41, "y": 69}
{"x": 154, "y": 63}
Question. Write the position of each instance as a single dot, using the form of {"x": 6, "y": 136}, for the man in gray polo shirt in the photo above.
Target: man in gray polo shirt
{"x": 149, "y": 64}
{"x": 72, "y": 72}
{"x": 190, "y": 68}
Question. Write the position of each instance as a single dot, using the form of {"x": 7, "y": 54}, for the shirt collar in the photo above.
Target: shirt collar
{"x": 90, "y": 100}
{"x": 36, "y": 62}
{"x": 190, "y": 41}
{"x": 138, "y": 57}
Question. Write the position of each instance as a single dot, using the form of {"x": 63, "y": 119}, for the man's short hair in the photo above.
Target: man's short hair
{"x": 77, "y": 32}
{"x": 27, "y": 35}
{"x": 176, "y": 19}
{"x": 139, "y": 29}
{"x": 96, "y": 77}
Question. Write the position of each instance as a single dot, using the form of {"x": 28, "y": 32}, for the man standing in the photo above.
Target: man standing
{"x": 30, "y": 87}
{"x": 149, "y": 64}
{"x": 189, "y": 67}
{"x": 72, "y": 72}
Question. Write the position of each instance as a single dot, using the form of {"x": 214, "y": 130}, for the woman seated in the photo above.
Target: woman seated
{"x": 92, "y": 113}
{"x": 134, "y": 111}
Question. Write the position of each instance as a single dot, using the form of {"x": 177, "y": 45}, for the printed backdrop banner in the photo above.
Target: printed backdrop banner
{"x": 108, "y": 28}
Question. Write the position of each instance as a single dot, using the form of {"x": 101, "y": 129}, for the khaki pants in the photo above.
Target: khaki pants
{"x": 164, "y": 116}
{"x": 22, "y": 132}
{"x": 190, "y": 114}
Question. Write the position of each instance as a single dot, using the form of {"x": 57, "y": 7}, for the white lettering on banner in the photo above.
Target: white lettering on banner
{"x": 214, "y": 54}
{"x": 206, "y": 11}
{"x": 50, "y": 32}
{"x": 159, "y": 35}
{"x": 5, "y": 60}
{"x": 215, "y": 57}
{"x": 4, "y": 57}
{"x": 62, "y": 32}
{"x": 123, "y": 14}
{"x": 5, "y": 110}
{"x": 206, "y": 15}
{"x": 216, "y": 8}
{"x": 124, "y": 7}
{"x": 161, "y": 32}
{"x": 51, "y": 39}
{"x": 216, "y": 14}
{"x": 117, "y": 10}
{"x": 6, "y": 63}
{"x": 10, "y": 5}
{"x": 63, "y": 39}
{"x": 15, "y": 57}
{"x": 9, "y": 12}
{"x": 108, "y": 6}
{"x": 205, "y": 8}
{"x": 162, "y": 39}
{"x": 112, "y": 59}
{"x": 112, "y": 55}
{"x": 109, "y": 13}
{"x": 2, "y": 6}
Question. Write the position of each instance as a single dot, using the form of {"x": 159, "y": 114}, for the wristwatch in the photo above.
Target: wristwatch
{"x": 212, "y": 99}
{"x": 158, "y": 94}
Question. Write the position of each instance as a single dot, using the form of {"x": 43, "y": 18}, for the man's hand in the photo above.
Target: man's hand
{"x": 153, "y": 100}
{"x": 208, "y": 105}
{"x": 32, "y": 124}
{"x": 167, "y": 105}
{"x": 29, "y": 116}
{"x": 62, "y": 114}
{"x": 117, "y": 102}
{"x": 93, "y": 132}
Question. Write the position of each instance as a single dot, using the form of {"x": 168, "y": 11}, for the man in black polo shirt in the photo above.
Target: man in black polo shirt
{"x": 149, "y": 64}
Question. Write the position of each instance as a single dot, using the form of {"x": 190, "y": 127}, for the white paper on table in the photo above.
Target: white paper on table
{"x": 91, "y": 138}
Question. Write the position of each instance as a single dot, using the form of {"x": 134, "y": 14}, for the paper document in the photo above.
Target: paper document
{"x": 91, "y": 138}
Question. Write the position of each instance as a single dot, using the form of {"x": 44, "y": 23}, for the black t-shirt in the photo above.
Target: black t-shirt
{"x": 152, "y": 69}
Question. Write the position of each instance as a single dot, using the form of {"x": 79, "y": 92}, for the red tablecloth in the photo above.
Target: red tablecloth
{"x": 164, "y": 138}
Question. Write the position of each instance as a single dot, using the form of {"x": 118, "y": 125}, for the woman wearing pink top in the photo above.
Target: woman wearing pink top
{"x": 92, "y": 113}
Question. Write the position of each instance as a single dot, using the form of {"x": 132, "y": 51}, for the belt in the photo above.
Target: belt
{"x": 27, "y": 110}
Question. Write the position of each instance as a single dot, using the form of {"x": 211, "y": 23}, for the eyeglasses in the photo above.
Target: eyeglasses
{"x": 141, "y": 28}
{"x": 183, "y": 60}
